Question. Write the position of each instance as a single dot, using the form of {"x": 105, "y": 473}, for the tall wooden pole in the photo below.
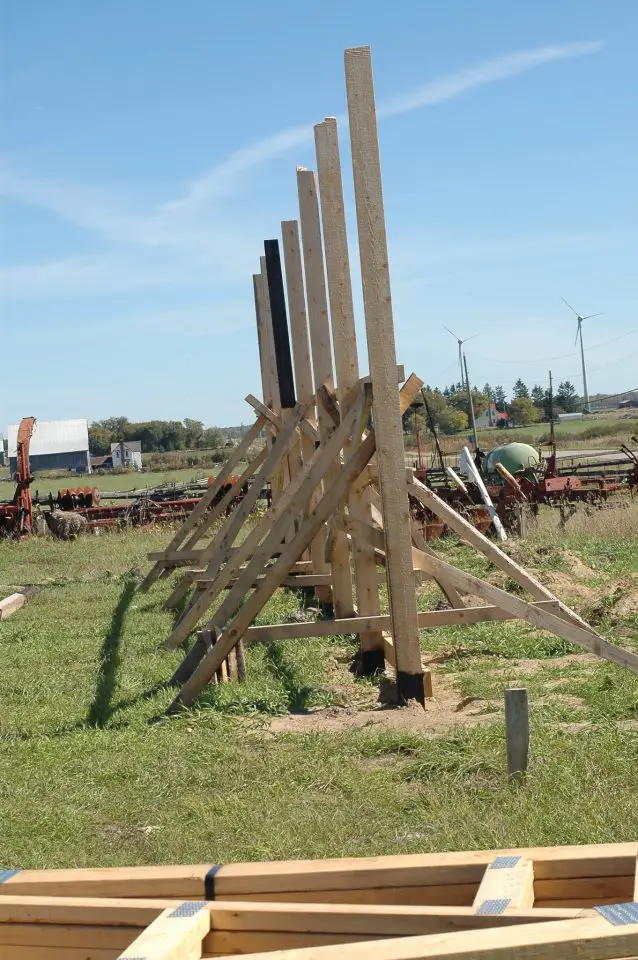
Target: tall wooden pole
{"x": 377, "y": 302}
{"x": 344, "y": 342}
{"x": 322, "y": 365}
{"x": 303, "y": 372}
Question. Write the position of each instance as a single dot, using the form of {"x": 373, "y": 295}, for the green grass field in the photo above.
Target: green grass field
{"x": 108, "y": 483}
{"x": 302, "y": 760}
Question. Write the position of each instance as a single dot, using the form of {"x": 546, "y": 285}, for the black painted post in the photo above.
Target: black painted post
{"x": 279, "y": 324}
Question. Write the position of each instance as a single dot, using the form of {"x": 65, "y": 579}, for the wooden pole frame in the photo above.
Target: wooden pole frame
{"x": 372, "y": 656}
{"x": 377, "y": 303}
{"x": 312, "y": 245}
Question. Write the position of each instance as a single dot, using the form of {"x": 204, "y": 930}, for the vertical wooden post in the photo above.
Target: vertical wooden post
{"x": 517, "y": 728}
{"x": 266, "y": 352}
{"x": 266, "y": 357}
{"x": 266, "y": 321}
{"x": 377, "y": 302}
{"x": 281, "y": 340}
{"x": 279, "y": 479}
{"x": 344, "y": 339}
{"x": 322, "y": 364}
{"x": 303, "y": 370}
{"x": 261, "y": 340}
{"x": 281, "y": 344}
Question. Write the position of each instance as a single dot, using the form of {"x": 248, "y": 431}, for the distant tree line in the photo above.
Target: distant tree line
{"x": 449, "y": 408}
{"x": 157, "y": 436}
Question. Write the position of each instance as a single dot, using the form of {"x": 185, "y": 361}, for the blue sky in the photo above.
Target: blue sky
{"x": 147, "y": 150}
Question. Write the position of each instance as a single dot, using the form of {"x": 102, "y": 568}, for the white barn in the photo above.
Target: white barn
{"x": 55, "y": 445}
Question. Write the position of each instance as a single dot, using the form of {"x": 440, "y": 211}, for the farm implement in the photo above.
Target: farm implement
{"x": 161, "y": 504}
{"x": 519, "y": 481}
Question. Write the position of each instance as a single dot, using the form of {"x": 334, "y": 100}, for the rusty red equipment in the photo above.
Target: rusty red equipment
{"x": 16, "y": 518}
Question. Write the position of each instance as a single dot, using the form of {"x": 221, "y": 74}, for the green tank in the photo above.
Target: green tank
{"x": 515, "y": 457}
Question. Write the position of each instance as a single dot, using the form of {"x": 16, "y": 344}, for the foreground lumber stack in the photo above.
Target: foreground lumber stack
{"x": 540, "y": 902}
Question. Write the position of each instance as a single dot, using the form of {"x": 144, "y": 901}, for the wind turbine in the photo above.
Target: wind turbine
{"x": 579, "y": 333}
{"x": 460, "y": 345}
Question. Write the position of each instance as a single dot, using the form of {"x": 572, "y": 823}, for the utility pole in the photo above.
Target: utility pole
{"x": 552, "y": 434}
{"x": 471, "y": 406}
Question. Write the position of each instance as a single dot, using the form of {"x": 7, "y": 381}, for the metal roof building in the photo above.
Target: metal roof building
{"x": 55, "y": 445}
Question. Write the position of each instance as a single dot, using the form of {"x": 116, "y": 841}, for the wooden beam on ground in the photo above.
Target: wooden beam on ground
{"x": 377, "y": 303}
{"x": 585, "y": 938}
{"x": 592, "y": 871}
{"x": 508, "y": 884}
{"x": 197, "y": 516}
{"x": 11, "y": 605}
{"x": 342, "y": 595}
{"x": 347, "y": 366}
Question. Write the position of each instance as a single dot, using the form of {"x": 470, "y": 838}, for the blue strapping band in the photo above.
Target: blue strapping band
{"x": 503, "y": 863}
{"x": 492, "y": 907}
{"x": 209, "y": 881}
{"x": 188, "y": 909}
{"x": 7, "y": 874}
{"x": 620, "y": 914}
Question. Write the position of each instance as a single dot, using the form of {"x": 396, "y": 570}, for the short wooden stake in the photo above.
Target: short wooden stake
{"x": 517, "y": 728}
{"x": 427, "y": 685}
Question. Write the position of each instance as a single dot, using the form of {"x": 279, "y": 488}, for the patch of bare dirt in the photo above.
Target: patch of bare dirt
{"x": 529, "y": 667}
{"x": 586, "y": 725}
{"x": 625, "y": 597}
{"x": 576, "y": 727}
{"x": 566, "y": 588}
{"x": 576, "y": 565}
{"x": 562, "y": 700}
{"x": 446, "y": 711}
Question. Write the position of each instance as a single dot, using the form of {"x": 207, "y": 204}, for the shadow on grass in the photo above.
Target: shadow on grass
{"x": 180, "y": 608}
{"x": 298, "y": 696}
{"x": 101, "y": 708}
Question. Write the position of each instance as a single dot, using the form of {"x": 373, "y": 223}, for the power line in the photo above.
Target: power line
{"x": 561, "y": 356}
{"x": 614, "y": 396}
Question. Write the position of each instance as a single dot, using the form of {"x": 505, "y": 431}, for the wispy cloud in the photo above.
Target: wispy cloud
{"x": 220, "y": 178}
{"x": 188, "y": 240}
{"x": 490, "y": 71}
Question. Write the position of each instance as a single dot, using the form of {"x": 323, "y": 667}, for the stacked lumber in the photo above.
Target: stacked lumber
{"x": 537, "y": 902}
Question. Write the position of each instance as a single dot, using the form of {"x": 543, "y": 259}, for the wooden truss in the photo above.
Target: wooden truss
{"x": 541, "y": 902}
{"x": 339, "y": 521}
